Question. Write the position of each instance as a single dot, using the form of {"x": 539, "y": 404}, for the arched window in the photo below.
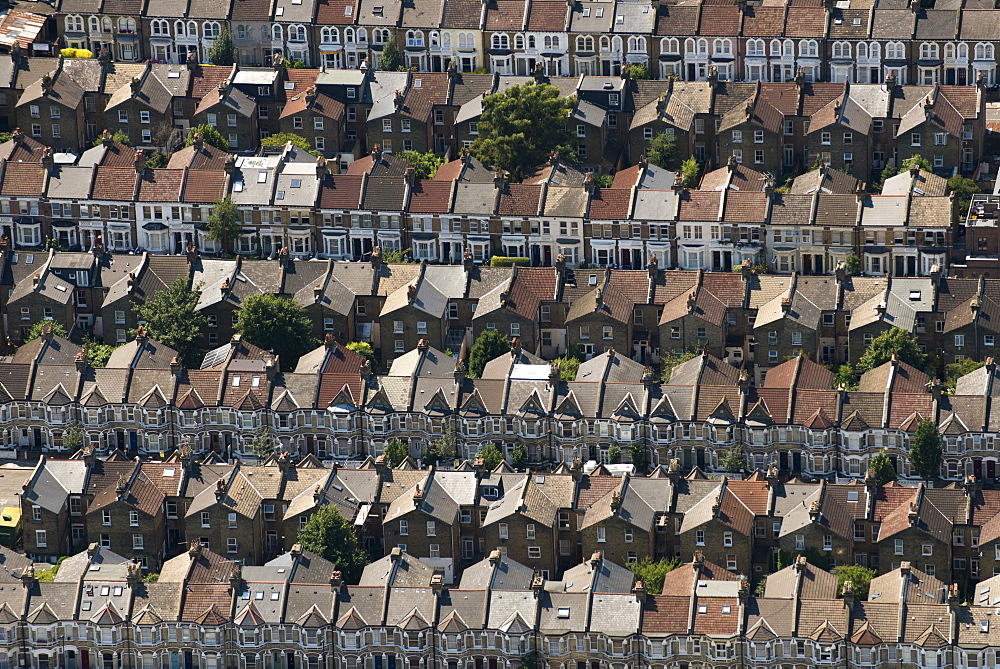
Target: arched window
{"x": 210, "y": 29}
{"x": 179, "y": 29}
{"x": 585, "y": 43}
{"x": 74, "y": 24}
{"x": 788, "y": 48}
{"x": 277, "y": 34}
{"x": 842, "y": 50}
{"x": 519, "y": 41}
{"x": 605, "y": 43}
{"x": 928, "y": 51}
{"x": 809, "y": 48}
{"x": 192, "y": 29}
{"x": 95, "y": 24}
{"x": 962, "y": 51}
{"x": 984, "y": 51}
{"x": 670, "y": 45}
{"x": 500, "y": 41}
{"x": 637, "y": 44}
{"x": 363, "y": 36}
{"x": 755, "y": 47}
{"x": 616, "y": 44}
{"x": 106, "y": 24}
{"x": 349, "y": 35}
{"x": 160, "y": 27}
{"x": 435, "y": 39}
{"x": 776, "y": 48}
{"x": 297, "y": 33}
{"x": 466, "y": 41}
{"x": 862, "y": 51}
{"x": 446, "y": 41}
{"x": 329, "y": 35}
{"x": 722, "y": 47}
{"x": 689, "y": 46}
{"x": 949, "y": 51}
{"x": 531, "y": 41}
{"x": 895, "y": 51}
{"x": 875, "y": 51}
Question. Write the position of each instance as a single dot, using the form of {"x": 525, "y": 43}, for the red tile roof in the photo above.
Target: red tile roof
{"x": 745, "y": 206}
{"x": 547, "y": 15}
{"x": 610, "y": 203}
{"x": 519, "y": 200}
{"x": 714, "y": 621}
{"x": 342, "y": 191}
{"x": 204, "y": 186}
{"x": 763, "y": 21}
{"x": 805, "y": 22}
{"x": 665, "y": 614}
{"x": 504, "y": 15}
{"x": 161, "y": 185}
{"x": 23, "y": 180}
{"x": 531, "y": 285}
{"x": 208, "y": 80}
{"x": 335, "y": 12}
{"x": 722, "y": 21}
{"x": 114, "y": 183}
{"x": 696, "y": 205}
{"x": 430, "y": 197}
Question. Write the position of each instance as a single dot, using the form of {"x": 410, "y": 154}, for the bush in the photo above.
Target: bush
{"x": 76, "y": 53}
{"x": 504, "y": 261}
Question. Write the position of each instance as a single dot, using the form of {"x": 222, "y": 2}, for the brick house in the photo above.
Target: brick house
{"x": 128, "y": 518}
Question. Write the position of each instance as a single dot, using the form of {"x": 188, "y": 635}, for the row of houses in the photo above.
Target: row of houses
{"x": 296, "y": 610}
{"x": 952, "y": 42}
{"x": 779, "y": 127}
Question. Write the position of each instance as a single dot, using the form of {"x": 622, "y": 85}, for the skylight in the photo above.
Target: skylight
{"x": 261, "y": 177}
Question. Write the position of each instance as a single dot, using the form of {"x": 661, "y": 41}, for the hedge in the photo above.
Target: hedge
{"x": 504, "y": 261}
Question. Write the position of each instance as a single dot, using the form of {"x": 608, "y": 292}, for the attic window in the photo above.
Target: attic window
{"x": 117, "y": 592}
{"x": 418, "y": 83}
{"x": 255, "y": 382}
{"x": 619, "y": 20}
{"x": 274, "y": 596}
{"x": 608, "y": 85}
{"x": 85, "y": 606}
{"x": 60, "y": 287}
{"x": 296, "y": 183}
{"x": 702, "y": 608}
{"x": 562, "y": 613}
{"x": 377, "y": 10}
{"x": 540, "y": 479}
{"x": 289, "y": 85}
{"x": 173, "y": 75}
{"x": 280, "y": 11}
{"x": 238, "y": 186}
{"x": 236, "y": 381}
{"x": 105, "y": 590}
{"x": 984, "y": 626}
{"x": 586, "y": 11}
{"x": 600, "y": 12}
{"x": 95, "y": 567}
{"x": 259, "y": 594}
{"x": 347, "y": 10}
{"x": 852, "y": 495}
{"x": 261, "y": 177}
{"x": 593, "y": 280}
{"x": 296, "y": 2}
{"x": 914, "y": 295}
{"x": 169, "y": 472}
{"x": 280, "y": 195}
{"x": 29, "y": 259}
{"x": 857, "y": 22}
{"x": 726, "y": 610}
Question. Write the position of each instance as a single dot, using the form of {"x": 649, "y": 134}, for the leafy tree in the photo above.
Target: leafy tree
{"x": 925, "y": 450}
{"x": 652, "y": 572}
{"x": 395, "y": 452}
{"x": 852, "y": 265}
{"x": 398, "y": 256}
{"x": 6, "y": 137}
{"x": 209, "y": 135}
{"x": 568, "y": 367}
{"x": 276, "y": 324}
{"x": 120, "y": 136}
{"x": 860, "y": 578}
{"x": 894, "y": 340}
{"x": 488, "y": 345}
{"x": 662, "y": 151}
{"x": 98, "y": 354}
{"x": 151, "y": 578}
{"x": 74, "y": 437}
{"x": 49, "y": 575}
{"x": 364, "y": 349}
{"x": 919, "y": 161}
{"x": 425, "y": 165}
{"x": 391, "y": 59}
{"x": 845, "y": 376}
{"x": 172, "y": 320}
{"x": 638, "y": 71}
{"x": 671, "y": 360}
{"x": 331, "y": 536}
{"x": 36, "y": 330}
{"x": 224, "y": 223}
{"x": 957, "y": 370}
{"x": 614, "y": 454}
{"x": 813, "y": 556}
{"x": 444, "y": 447}
{"x": 263, "y": 443}
{"x": 223, "y": 51}
{"x": 521, "y": 126}
{"x": 734, "y": 460}
{"x": 491, "y": 456}
{"x": 155, "y": 159}
{"x": 604, "y": 180}
{"x": 963, "y": 188}
{"x": 882, "y": 468}
{"x": 690, "y": 171}
{"x": 637, "y": 453}
{"x": 283, "y": 138}
{"x": 519, "y": 456}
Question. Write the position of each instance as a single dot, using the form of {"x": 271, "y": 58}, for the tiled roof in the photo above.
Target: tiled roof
{"x": 114, "y": 183}
{"x": 519, "y": 200}
{"x": 204, "y": 186}
{"x": 23, "y": 180}
{"x": 161, "y": 185}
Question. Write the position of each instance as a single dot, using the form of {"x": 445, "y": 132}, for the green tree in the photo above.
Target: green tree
{"x": 882, "y": 468}
{"x": 223, "y": 51}
{"x": 860, "y": 578}
{"x": 604, "y": 180}
{"x": 652, "y": 573}
{"x": 690, "y": 171}
{"x": 263, "y": 443}
{"x": 521, "y": 126}
{"x": 488, "y": 345}
{"x": 6, "y": 137}
{"x": 957, "y": 370}
{"x": 120, "y": 136}
{"x": 398, "y": 256}
{"x": 881, "y": 349}
{"x": 282, "y": 138}
{"x": 209, "y": 135}
{"x": 568, "y": 367}
{"x": 172, "y": 319}
{"x": 852, "y": 265}
{"x": 444, "y": 447}
{"x": 519, "y": 456}
{"x": 491, "y": 456}
{"x": 224, "y": 223}
{"x": 156, "y": 159}
{"x": 671, "y": 360}
{"x": 925, "y": 450}
{"x": 98, "y": 354}
{"x": 391, "y": 59}
{"x": 36, "y": 330}
{"x": 734, "y": 460}
{"x": 662, "y": 151}
{"x": 364, "y": 349}
{"x": 74, "y": 437}
{"x": 332, "y": 537}
{"x": 638, "y": 71}
{"x": 614, "y": 454}
{"x": 845, "y": 376}
{"x": 919, "y": 161}
{"x": 637, "y": 453}
{"x": 963, "y": 188}
{"x": 276, "y": 324}
{"x": 425, "y": 165}
{"x": 395, "y": 452}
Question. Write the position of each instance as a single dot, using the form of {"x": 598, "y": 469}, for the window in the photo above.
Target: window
{"x": 534, "y": 552}
{"x": 959, "y": 341}
{"x": 138, "y": 542}
{"x": 404, "y": 528}
{"x": 727, "y": 539}
{"x": 926, "y": 549}
{"x": 232, "y": 545}
{"x": 503, "y": 529}
{"x": 530, "y": 531}
{"x": 232, "y": 520}
{"x": 699, "y": 537}
{"x": 431, "y": 528}
{"x": 602, "y": 535}
{"x": 105, "y": 517}
{"x": 133, "y": 518}
{"x": 914, "y": 139}
{"x": 737, "y": 136}
{"x": 898, "y": 547}
{"x": 41, "y": 539}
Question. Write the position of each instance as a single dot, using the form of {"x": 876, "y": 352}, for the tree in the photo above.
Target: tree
{"x": 119, "y": 137}
{"x": 690, "y": 171}
{"x": 521, "y": 126}
{"x": 391, "y": 59}
{"x": 519, "y": 456}
{"x": 283, "y": 138}
{"x": 425, "y": 165}
{"x": 882, "y": 468}
{"x": 172, "y": 319}
{"x": 852, "y": 265}
{"x": 263, "y": 443}
{"x": 491, "y": 456}
{"x": 604, "y": 180}
{"x": 395, "y": 452}
{"x": 488, "y": 345}
{"x": 614, "y": 454}
{"x": 209, "y": 135}
{"x": 331, "y": 536}
{"x": 398, "y": 256}
{"x": 223, "y": 51}
{"x": 652, "y": 573}
{"x": 97, "y": 354}
{"x": 224, "y": 223}
{"x": 892, "y": 341}
{"x": 845, "y": 376}
{"x": 925, "y": 450}
{"x": 957, "y": 370}
{"x": 637, "y": 453}
{"x": 916, "y": 160}
{"x": 444, "y": 447}
{"x": 662, "y": 151}
{"x": 36, "y": 330}
{"x": 364, "y": 349}
{"x": 734, "y": 460}
{"x": 276, "y": 324}
{"x": 568, "y": 367}
{"x": 860, "y": 578}
{"x": 74, "y": 438}
{"x": 155, "y": 159}
{"x": 671, "y": 360}
{"x": 638, "y": 71}
{"x": 963, "y": 188}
